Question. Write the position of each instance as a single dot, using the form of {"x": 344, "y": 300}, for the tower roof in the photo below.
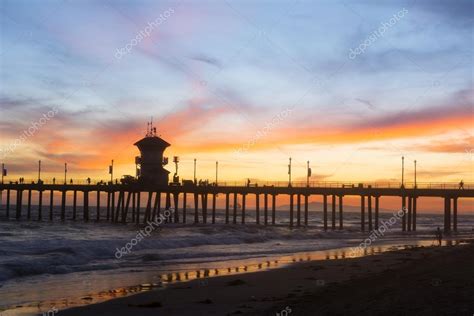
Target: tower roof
{"x": 152, "y": 142}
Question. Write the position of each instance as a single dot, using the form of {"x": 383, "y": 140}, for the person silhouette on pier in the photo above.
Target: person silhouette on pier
{"x": 439, "y": 236}
{"x": 70, "y": 181}
{"x": 461, "y": 185}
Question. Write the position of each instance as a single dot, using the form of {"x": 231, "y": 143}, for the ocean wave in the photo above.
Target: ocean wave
{"x": 28, "y": 249}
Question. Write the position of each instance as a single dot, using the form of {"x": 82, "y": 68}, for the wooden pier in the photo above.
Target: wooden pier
{"x": 124, "y": 203}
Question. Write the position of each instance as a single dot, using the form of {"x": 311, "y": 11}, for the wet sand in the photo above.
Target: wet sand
{"x": 416, "y": 281}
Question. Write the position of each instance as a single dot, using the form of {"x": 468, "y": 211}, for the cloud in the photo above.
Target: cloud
{"x": 452, "y": 146}
{"x": 10, "y": 103}
{"x": 366, "y": 102}
{"x": 192, "y": 116}
{"x": 459, "y": 11}
{"x": 207, "y": 60}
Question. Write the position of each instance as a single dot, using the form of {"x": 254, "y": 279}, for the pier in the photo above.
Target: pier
{"x": 138, "y": 203}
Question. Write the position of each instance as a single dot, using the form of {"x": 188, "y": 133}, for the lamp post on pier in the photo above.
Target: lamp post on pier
{"x": 289, "y": 173}
{"x": 39, "y": 171}
{"x": 403, "y": 172}
{"x": 217, "y": 170}
{"x": 415, "y": 173}
{"x": 4, "y": 171}
{"x": 111, "y": 171}
{"x": 65, "y": 173}
{"x": 308, "y": 173}
{"x": 195, "y": 180}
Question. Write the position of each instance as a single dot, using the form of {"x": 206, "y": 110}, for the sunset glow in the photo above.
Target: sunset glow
{"x": 213, "y": 100}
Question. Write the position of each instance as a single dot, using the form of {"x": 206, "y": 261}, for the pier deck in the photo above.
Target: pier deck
{"x": 123, "y": 201}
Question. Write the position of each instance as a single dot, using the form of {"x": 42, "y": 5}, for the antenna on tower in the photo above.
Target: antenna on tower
{"x": 150, "y": 130}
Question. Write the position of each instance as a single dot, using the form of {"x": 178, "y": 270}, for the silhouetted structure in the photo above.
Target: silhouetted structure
{"x": 140, "y": 203}
{"x": 151, "y": 161}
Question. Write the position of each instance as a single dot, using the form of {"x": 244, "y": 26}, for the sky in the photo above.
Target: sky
{"x": 351, "y": 86}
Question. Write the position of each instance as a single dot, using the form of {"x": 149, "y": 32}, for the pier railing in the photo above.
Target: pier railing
{"x": 296, "y": 184}
{"x": 339, "y": 184}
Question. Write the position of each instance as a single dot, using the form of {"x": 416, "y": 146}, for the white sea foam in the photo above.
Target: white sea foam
{"x": 35, "y": 248}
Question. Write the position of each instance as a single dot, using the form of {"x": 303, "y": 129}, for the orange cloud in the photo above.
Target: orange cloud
{"x": 307, "y": 135}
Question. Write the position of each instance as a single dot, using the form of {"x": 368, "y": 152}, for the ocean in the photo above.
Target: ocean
{"x": 50, "y": 263}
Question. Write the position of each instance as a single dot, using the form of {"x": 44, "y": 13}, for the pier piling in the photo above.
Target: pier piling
{"x": 291, "y": 210}
{"x": 184, "y": 206}
{"x": 98, "y": 206}
{"x": 306, "y": 210}
{"x": 51, "y": 204}
{"x": 157, "y": 206}
{"x": 63, "y": 205}
{"x": 146, "y": 217}
{"x": 369, "y": 211}
{"x": 447, "y": 215}
{"x": 19, "y": 200}
{"x": 404, "y": 210}
{"x": 127, "y": 205}
{"x": 28, "y": 211}
{"x": 86, "y": 205}
{"x": 196, "y": 207}
{"x": 341, "y": 217}
{"x": 376, "y": 212}
{"x": 112, "y": 207}
{"x": 138, "y": 207}
{"x": 176, "y": 207}
{"x": 325, "y": 212}
{"x": 243, "y": 207}
{"x": 257, "y": 209}
{"x": 273, "y": 208}
{"x": 108, "y": 204}
{"x": 204, "y": 207}
{"x": 214, "y": 208}
{"x": 265, "y": 209}
{"x": 40, "y": 205}
{"x": 409, "y": 217}
{"x": 8, "y": 204}
{"x": 333, "y": 212}
{"x": 227, "y": 208}
{"x": 455, "y": 214}
{"x": 414, "y": 214}
{"x": 298, "y": 210}
{"x": 134, "y": 201}
{"x": 234, "y": 213}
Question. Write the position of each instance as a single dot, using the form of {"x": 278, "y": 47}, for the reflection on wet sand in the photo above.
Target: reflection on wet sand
{"x": 221, "y": 269}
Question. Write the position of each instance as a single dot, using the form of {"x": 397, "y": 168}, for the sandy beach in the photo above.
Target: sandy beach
{"x": 413, "y": 281}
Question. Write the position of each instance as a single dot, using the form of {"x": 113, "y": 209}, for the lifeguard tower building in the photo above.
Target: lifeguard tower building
{"x": 151, "y": 161}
